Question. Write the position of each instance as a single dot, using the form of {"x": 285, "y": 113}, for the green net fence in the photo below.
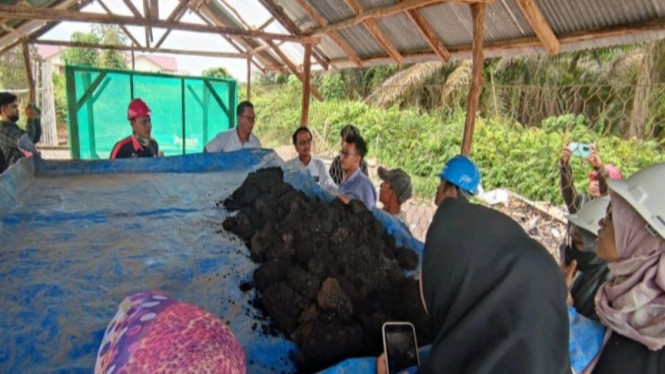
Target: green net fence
{"x": 186, "y": 111}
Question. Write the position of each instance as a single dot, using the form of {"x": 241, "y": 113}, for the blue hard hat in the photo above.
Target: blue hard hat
{"x": 463, "y": 173}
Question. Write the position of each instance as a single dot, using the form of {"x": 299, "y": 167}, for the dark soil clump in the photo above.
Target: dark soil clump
{"x": 329, "y": 276}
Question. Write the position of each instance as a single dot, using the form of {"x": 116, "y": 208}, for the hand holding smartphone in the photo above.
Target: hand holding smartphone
{"x": 580, "y": 149}
{"x": 400, "y": 346}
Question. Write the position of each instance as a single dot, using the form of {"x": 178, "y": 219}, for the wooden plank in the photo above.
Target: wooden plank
{"x": 383, "y": 41}
{"x": 307, "y": 64}
{"x": 72, "y": 113}
{"x": 387, "y": 11}
{"x": 429, "y": 34}
{"x": 236, "y": 13}
{"x": 142, "y": 49}
{"x": 48, "y": 14}
{"x": 266, "y": 23}
{"x": 148, "y": 28}
{"x": 539, "y": 25}
{"x": 293, "y": 68}
{"x": 290, "y": 26}
{"x": 334, "y": 35}
{"x": 89, "y": 89}
{"x": 28, "y": 71}
{"x": 478, "y": 15}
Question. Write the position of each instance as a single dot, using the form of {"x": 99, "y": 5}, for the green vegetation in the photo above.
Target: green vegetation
{"x": 522, "y": 159}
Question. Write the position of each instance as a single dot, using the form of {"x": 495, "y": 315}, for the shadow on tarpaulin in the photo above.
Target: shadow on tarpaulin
{"x": 79, "y": 236}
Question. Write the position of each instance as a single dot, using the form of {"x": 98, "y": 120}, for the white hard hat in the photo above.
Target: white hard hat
{"x": 590, "y": 214}
{"x": 644, "y": 192}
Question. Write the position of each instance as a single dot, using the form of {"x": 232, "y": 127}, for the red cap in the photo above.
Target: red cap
{"x": 138, "y": 108}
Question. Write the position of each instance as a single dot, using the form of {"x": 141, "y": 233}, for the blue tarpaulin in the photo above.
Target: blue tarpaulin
{"x": 79, "y": 236}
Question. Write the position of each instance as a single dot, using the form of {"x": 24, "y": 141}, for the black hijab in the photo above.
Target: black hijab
{"x": 495, "y": 296}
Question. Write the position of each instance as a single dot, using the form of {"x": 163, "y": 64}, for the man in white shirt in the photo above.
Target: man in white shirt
{"x": 302, "y": 141}
{"x": 240, "y": 137}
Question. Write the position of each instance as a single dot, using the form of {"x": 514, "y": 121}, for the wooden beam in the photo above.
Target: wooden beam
{"x": 293, "y": 68}
{"x": 132, "y": 8}
{"x": 334, "y": 35}
{"x": 49, "y": 14}
{"x": 383, "y": 41}
{"x": 361, "y": 16}
{"x": 531, "y": 43}
{"x": 28, "y": 71}
{"x": 236, "y": 13}
{"x": 142, "y": 49}
{"x": 175, "y": 16}
{"x": 429, "y": 34}
{"x": 539, "y": 25}
{"x": 478, "y": 15}
{"x": 290, "y": 26}
{"x": 123, "y": 28}
{"x": 374, "y": 30}
{"x": 307, "y": 64}
{"x": 229, "y": 40}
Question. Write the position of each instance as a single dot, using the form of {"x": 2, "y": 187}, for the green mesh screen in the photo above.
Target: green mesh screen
{"x": 186, "y": 112}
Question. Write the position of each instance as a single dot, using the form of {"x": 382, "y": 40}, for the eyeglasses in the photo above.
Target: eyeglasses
{"x": 346, "y": 154}
{"x": 250, "y": 119}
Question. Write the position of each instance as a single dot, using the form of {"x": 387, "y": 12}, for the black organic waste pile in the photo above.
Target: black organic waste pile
{"x": 329, "y": 276}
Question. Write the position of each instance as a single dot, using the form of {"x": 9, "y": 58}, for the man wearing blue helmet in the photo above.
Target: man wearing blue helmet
{"x": 460, "y": 178}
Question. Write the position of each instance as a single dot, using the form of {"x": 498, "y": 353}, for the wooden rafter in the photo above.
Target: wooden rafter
{"x": 384, "y": 41}
{"x": 123, "y": 28}
{"x": 363, "y": 15}
{"x": 133, "y": 8}
{"x": 429, "y": 34}
{"x": 539, "y": 25}
{"x": 175, "y": 16}
{"x": 49, "y": 14}
{"x": 334, "y": 35}
{"x": 290, "y": 26}
{"x": 142, "y": 49}
{"x": 229, "y": 40}
{"x": 306, "y": 85}
{"x": 464, "y": 51}
{"x": 266, "y": 23}
{"x": 213, "y": 18}
{"x": 293, "y": 68}
{"x": 236, "y": 13}
{"x": 374, "y": 30}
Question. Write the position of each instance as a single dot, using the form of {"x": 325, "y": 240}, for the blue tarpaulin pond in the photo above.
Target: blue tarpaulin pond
{"x": 79, "y": 236}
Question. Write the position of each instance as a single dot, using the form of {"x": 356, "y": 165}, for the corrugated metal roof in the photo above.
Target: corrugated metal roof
{"x": 504, "y": 23}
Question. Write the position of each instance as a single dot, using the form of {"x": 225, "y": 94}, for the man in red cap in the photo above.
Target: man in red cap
{"x": 140, "y": 143}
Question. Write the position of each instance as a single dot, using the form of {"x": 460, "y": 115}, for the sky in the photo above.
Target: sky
{"x": 183, "y": 40}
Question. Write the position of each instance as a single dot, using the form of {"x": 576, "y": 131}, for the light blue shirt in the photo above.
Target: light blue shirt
{"x": 359, "y": 187}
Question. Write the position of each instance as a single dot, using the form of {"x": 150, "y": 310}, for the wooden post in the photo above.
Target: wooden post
{"x": 133, "y": 61}
{"x": 307, "y": 64}
{"x": 249, "y": 78}
{"x": 28, "y": 71}
{"x": 478, "y": 15}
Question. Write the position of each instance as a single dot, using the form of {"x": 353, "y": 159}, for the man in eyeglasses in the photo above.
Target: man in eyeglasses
{"x": 355, "y": 185}
{"x": 302, "y": 141}
{"x": 241, "y": 136}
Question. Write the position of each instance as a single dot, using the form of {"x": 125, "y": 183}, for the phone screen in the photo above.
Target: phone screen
{"x": 401, "y": 347}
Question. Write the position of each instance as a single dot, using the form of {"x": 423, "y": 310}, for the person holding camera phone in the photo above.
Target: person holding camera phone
{"x": 597, "y": 177}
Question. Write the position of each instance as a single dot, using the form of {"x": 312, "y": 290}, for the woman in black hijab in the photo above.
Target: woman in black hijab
{"x": 495, "y": 296}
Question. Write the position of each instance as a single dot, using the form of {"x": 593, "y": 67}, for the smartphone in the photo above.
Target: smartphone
{"x": 400, "y": 346}
{"x": 580, "y": 149}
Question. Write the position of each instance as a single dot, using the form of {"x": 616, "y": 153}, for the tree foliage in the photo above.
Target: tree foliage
{"x": 217, "y": 72}
{"x": 111, "y": 34}
{"x": 82, "y": 56}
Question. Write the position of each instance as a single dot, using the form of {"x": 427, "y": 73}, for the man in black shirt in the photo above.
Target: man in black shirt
{"x": 140, "y": 143}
